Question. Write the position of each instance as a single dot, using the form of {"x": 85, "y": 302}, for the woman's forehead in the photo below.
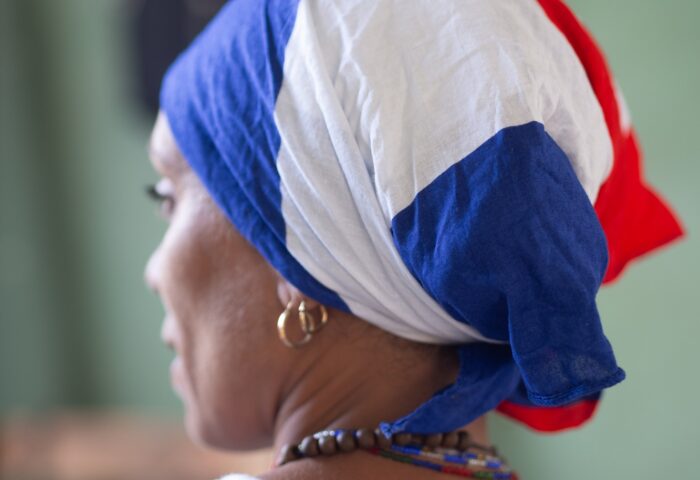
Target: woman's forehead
{"x": 163, "y": 150}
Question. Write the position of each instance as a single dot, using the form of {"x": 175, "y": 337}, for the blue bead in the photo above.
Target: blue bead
{"x": 455, "y": 459}
{"x": 431, "y": 465}
{"x": 407, "y": 449}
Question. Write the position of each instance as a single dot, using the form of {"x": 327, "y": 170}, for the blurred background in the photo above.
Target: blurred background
{"x": 84, "y": 389}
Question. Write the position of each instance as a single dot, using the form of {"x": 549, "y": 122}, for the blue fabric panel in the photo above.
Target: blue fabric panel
{"x": 219, "y": 98}
{"x": 520, "y": 396}
{"x": 507, "y": 241}
{"x": 487, "y": 375}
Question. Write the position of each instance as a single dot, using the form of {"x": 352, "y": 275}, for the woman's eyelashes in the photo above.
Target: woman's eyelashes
{"x": 163, "y": 194}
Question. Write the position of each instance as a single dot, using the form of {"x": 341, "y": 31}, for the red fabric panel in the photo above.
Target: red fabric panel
{"x": 635, "y": 219}
{"x": 550, "y": 419}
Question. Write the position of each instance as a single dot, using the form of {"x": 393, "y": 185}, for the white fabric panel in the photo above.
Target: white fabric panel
{"x": 387, "y": 95}
{"x": 353, "y": 255}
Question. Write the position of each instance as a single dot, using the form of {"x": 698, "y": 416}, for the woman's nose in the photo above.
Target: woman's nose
{"x": 150, "y": 274}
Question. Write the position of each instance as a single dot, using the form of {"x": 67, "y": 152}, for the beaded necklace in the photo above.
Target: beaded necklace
{"x": 452, "y": 453}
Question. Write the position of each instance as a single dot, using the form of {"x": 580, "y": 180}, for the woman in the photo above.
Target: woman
{"x": 387, "y": 220}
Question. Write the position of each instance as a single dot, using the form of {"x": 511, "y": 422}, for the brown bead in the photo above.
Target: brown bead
{"x": 327, "y": 445}
{"x": 346, "y": 441}
{"x": 402, "y": 439}
{"x": 365, "y": 438}
{"x": 464, "y": 441}
{"x": 287, "y": 454}
{"x": 309, "y": 447}
{"x": 450, "y": 440}
{"x": 433, "y": 440}
{"x": 383, "y": 441}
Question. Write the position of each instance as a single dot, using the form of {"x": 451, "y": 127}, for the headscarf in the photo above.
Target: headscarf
{"x": 454, "y": 172}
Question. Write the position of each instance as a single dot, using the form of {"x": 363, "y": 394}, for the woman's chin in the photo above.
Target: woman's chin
{"x": 195, "y": 432}
{"x": 204, "y": 436}
{"x": 216, "y": 436}
{"x": 194, "y": 425}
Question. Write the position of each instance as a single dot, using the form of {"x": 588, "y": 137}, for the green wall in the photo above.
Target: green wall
{"x": 77, "y": 325}
{"x": 78, "y": 328}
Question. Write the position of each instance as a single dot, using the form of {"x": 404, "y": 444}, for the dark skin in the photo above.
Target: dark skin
{"x": 242, "y": 388}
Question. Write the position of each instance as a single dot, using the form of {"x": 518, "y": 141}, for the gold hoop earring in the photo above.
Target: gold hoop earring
{"x": 282, "y": 329}
{"x": 308, "y": 322}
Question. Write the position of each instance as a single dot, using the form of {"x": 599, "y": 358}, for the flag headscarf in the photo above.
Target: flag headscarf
{"x": 454, "y": 172}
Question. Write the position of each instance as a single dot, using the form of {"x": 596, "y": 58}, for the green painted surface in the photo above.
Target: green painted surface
{"x": 78, "y": 328}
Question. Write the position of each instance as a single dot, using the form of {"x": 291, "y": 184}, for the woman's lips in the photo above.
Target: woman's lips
{"x": 177, "y": 375}
{"x": 168, "y": 333}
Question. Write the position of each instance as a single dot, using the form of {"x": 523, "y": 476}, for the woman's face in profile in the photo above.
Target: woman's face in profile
{"x": 220, "y": 299}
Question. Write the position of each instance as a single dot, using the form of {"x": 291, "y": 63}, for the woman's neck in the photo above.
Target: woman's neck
{"x": 345, "y": 383}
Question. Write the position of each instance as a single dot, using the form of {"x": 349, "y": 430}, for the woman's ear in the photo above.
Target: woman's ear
{"x": 286, "y": 292}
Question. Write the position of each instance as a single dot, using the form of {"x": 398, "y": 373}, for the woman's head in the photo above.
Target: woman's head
{"x": 221, "y": 301}
{"x": 354, "y": 160}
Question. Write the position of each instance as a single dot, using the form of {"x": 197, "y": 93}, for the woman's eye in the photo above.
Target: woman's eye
{"x": 162, "y": 194}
